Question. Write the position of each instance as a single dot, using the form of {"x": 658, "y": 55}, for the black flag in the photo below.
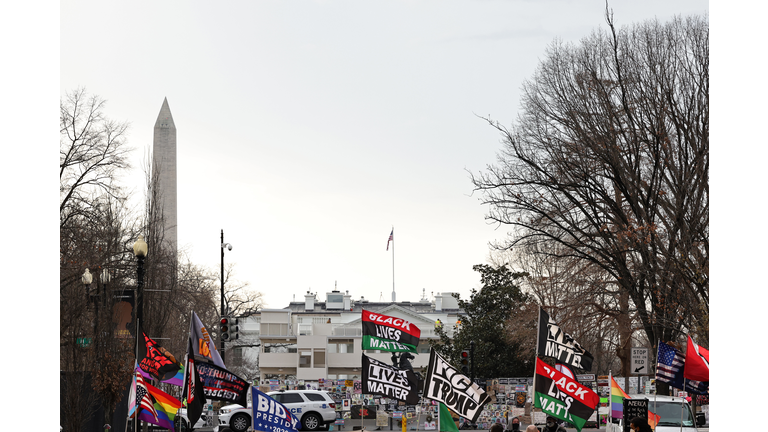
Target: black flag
{"x": 386, "y": 380}
{"x": 554, "y": 342}
{"x": 193, "y": 388}
{"x": 445, "y": 384}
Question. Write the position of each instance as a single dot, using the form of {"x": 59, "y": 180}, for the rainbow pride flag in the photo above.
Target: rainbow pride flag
{"x": 617, "y": 400}
{"x": 165, "y": 405}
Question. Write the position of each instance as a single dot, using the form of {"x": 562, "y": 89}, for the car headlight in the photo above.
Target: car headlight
{"x": 224, "y": 411}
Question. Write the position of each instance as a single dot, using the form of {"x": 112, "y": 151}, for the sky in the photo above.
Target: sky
{"x": 309, "y": 130}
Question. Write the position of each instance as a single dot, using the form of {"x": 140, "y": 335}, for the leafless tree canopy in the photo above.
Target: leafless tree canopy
{"x": 606, "y": 169}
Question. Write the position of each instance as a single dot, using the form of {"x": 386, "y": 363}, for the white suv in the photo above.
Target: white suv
{"x": 315, "y": 410}
{"x": 182, "y": 421}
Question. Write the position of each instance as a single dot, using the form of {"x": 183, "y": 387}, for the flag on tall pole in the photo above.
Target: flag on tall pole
{"x": 696, "y": 362}
{"x": 391, "y": 238}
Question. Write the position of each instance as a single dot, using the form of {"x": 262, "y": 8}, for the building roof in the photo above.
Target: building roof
{"x": 358, "y": 306}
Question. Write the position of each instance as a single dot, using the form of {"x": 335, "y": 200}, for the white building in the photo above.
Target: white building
{"x": 313, "y": 339}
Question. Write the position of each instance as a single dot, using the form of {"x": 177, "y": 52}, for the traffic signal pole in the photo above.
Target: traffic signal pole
{"x": 472, "y": 361}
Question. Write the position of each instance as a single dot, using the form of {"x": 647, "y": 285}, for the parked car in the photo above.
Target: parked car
{"x": 181, "y": 422}
{"x": 314, "y": 408}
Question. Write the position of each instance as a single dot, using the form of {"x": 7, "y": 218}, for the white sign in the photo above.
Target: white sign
{"x": 639, "y": 364}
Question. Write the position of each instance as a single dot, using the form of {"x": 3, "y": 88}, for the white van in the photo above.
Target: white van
{"x": 671, "y": 409}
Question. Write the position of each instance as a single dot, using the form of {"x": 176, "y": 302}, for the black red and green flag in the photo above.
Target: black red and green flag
{"x": 387, "y": 333}
{"x": 563, "y": 397}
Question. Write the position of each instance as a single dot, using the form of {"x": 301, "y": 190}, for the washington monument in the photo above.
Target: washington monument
{"x": 164, "y": 164}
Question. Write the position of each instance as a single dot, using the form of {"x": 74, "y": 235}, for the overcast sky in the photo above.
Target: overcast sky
{"x": 307, "y": 130}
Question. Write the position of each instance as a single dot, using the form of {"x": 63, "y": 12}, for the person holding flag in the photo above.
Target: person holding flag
{"x": 552, "y": 426}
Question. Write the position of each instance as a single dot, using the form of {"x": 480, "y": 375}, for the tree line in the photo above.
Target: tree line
{"x": 97, "y": 230}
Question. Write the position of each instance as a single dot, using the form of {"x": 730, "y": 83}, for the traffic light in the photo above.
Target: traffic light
{"x": 233, "y": 329}
{"x": 465, "y": 362}
{"x": 224, "y": 329}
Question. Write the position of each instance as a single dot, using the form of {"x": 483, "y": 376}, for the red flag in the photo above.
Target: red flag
{"x": 391, "y": 238}
{"x": 696, "y": 362}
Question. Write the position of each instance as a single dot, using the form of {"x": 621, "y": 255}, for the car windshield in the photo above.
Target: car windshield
{"x": 671, "y": 413}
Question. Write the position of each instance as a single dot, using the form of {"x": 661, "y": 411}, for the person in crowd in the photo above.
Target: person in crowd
{"x": 513, "y": 424}
{"x": 497, "y": 427}
{"x": 531, "y": 428}
{"x": 552, "y": 426}
{"x": 640, "y": 424}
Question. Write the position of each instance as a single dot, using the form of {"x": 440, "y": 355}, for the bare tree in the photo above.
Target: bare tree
{"x": 607, "y": 167}
{"x": 92, "y": 152}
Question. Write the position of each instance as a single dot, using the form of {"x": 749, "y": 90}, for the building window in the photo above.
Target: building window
{"x": 305, "y": 359}
{"x": 237, "y": 353}
{"x": 319, "y": 358}
{"x": 341, "y": 346}
{"x": 275, "y": 330}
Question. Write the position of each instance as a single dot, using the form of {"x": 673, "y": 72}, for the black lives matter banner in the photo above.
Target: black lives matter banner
{"x": 554, "y": 342}
{"x": 220, "y": 384}
{"x": 383, "y": 379}
{"x": 563, "y": 397}
{"x": 386, "y": 333}
{"x": 445, "y": 384}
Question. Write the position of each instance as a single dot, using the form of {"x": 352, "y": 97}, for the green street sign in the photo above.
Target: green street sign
{"x": 83, "y": 341}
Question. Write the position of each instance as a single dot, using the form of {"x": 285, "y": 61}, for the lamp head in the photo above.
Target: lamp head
{"x": 87, "y": 277}
{"x": 140, "y": 247}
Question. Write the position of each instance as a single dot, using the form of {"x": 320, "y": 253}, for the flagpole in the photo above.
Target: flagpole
{"x": 138, "y": 405}
{"x": 610, "y": 400}
{"x": 393, "y": 264}
{"x": 682, "y": 407}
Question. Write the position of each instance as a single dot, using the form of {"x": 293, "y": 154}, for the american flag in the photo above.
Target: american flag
{"x": 669, "y": 364}
{"x": 143, "y": 395}
{"x": 669, "y": 369}
{"x": 391, "y": 238}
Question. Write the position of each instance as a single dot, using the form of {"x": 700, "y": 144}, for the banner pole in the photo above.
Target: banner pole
{"x": 138, "y": 405}
{"x": 610, "y": 401}
{"x": 538, "y": 345}
{"x": 682, "y": 407}
{"x": 393, "y": 264}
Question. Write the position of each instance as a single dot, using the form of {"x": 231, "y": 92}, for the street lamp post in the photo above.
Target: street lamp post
{"x": 105, "y": 279}
{"x": 229, "y": 247}
{"x": 140, "y": 250}
{"x": 87, "y": 278}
